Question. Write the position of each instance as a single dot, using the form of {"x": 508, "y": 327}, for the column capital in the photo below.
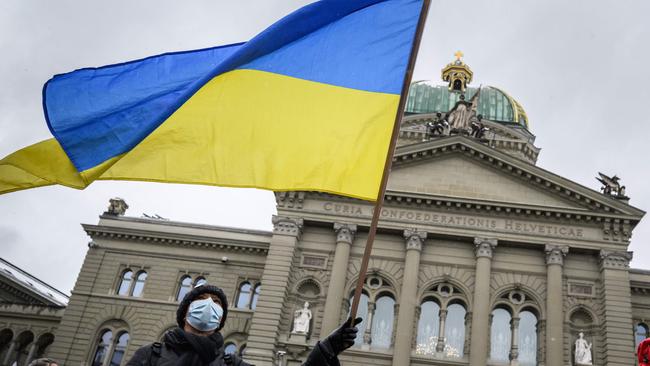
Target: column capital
{"x": 555, "y": 254}
{"x": 287, "y": 225}
{"x": 615, "y": 260}
{"x": 345, "y": 232}
{"x": 484, "y": 247}
{"x": 414, "y": 239}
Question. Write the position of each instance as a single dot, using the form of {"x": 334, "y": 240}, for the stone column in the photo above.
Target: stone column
{"x": 332, "y": 313}
{"x": 31, "y": 353}
{"x": 440, "y": 346}
{"x": 514, "y": 347}
{"x": 618, "y": 346}
{"x": 265, "y": 324}
{"x": 554, "y": 304}
{"x": 408, "y": 299}
{"x": 478, "y": 352}
{"x": 10, "y": 352}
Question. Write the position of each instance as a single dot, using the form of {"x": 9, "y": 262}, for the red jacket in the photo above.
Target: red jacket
{"x": 643, "y": 352}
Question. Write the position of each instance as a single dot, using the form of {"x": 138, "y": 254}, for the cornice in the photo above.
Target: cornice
{"x": 20, "y": 294}
{"x": 542, "y": 179}
{"x": 183, "y": 240}
{"x": 615, "y": 225}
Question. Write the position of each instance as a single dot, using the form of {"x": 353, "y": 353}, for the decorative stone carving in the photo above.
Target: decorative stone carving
{"x": 582, "y": 351}
{"x": 555, "y": 254}
{"x": 116, "y": 207}
{"x": 301, "y": 320}
{"x": 287, "y": 225}
{"x": 345, "y": 232}
{"x": 615, "y": 260}
{"x": 291, "y": 199}
{"x": 484, "y": 247}
{"x": 414, "y": 239}
{"x": 616, "y": 230}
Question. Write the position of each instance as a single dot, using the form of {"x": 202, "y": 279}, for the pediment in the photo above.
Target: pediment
{"x": 458, "y": 176}
{"x": 461, "y": 168}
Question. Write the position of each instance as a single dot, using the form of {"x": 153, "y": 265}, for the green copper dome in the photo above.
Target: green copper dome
{"x": 493, "y": 104}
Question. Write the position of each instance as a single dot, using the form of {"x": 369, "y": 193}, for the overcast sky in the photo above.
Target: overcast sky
{"x": 579, "y": 68}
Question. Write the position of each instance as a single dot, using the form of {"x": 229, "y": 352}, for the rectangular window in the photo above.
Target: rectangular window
{"x": 583, "y": 289}
{"x": 313, "y": 261}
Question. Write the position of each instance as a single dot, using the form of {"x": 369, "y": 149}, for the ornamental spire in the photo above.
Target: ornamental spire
{"x": 457, "y": 74}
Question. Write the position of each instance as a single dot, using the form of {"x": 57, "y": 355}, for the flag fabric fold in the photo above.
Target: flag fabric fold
{"x": 308, "y": 104}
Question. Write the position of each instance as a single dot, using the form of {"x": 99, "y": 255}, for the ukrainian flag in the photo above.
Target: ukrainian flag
{"x": 308, "y": 104}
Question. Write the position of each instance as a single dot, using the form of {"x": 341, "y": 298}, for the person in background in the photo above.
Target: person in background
{"x": 197, "y": 341}
{"x": 43, "y": 362}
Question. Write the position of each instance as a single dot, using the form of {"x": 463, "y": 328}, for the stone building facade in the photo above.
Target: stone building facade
{"x": 30, "y": 312}
{"x": 481, "y": 258}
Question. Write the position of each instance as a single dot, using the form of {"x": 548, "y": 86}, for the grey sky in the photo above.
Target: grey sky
{"x": 579, "y": 68}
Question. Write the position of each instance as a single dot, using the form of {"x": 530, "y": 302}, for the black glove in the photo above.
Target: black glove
{"x": 342, "y": 338}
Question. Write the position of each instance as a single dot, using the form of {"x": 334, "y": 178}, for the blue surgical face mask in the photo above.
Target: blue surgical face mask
{"x": 204, "y": 315}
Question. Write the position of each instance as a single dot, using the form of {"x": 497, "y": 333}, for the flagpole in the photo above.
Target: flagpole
{"x": 389, "y": 158}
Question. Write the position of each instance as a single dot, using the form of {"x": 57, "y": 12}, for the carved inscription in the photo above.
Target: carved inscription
{"x": 514, "y": 226}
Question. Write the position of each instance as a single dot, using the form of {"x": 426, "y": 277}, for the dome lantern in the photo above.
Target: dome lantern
{"x": 457, "y": 74}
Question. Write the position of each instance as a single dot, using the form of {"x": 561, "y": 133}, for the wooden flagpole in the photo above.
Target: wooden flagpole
{"x": 389, "y": 158}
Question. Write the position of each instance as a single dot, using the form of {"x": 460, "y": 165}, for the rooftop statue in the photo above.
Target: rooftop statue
{"x": 464, "y": 114}
{"x": 611, "y": 186}
{"x": 116, "y": 207}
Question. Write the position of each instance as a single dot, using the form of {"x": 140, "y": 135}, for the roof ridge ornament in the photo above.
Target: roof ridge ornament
{"x": 611, "y": 187}
{"x": 457, "y": 74}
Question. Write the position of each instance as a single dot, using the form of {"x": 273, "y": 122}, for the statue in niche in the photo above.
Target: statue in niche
{"x": 301, "y": 320}
{"x": 582, "y": 351}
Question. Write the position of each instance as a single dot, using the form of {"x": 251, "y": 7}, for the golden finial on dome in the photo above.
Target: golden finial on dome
{"x": 457, "y": 74}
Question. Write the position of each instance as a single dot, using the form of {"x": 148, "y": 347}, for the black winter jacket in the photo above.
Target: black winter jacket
{"x": 175, "y": 350}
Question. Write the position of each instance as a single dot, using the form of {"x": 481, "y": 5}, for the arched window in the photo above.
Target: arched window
{"x": 103, "y": 346}
{"x": 256, "y": 295}
{"x": 377, "y": 309}
{"x": 382, "y": 322}
{"x": 119, "y": 349}
{"x": 41, "y": 344}
{"x": 110, "y": 350}
{"x": 130, "y": 286}
{"x": 230, "y": 348}
{"x": 200, "y": 281}
{"x": 21, "y": 348}
{"x": 139, "y": 284}
{"x": 125, "y": 283}
{"x": 455, "y": 330}
{"x": 527, "y": 334}
{"x": 242, "y": 349}
{"x": 6, "y": 335}
{"x": 441, "y": 327}
{"x": 428, "y": 327}
{"x": 640, "y": 334}
{"x": 243, "y": 296}
{"x": 184, "y": 287}
{"x": 500, "y": 335}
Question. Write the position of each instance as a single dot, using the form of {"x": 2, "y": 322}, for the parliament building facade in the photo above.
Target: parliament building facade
{"x": 481, "y": 258}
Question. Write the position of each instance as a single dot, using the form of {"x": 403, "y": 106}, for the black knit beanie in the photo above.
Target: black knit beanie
{"x": 196, "y": 292}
